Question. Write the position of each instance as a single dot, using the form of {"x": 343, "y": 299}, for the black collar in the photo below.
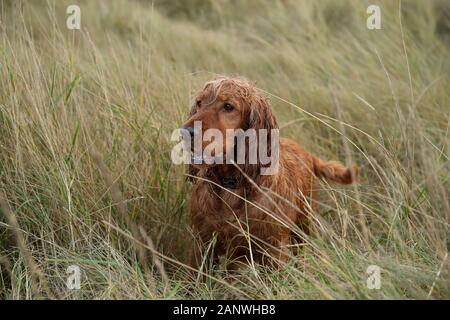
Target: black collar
{"x": 229, "y": 183}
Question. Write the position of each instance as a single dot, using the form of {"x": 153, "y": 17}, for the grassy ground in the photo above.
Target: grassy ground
{"x": 86, "y": 118}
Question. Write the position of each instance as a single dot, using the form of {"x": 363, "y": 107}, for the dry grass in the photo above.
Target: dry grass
{"x": 124, "y": 82}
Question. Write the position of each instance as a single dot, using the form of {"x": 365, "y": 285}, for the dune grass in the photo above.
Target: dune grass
{"x": 86, "y": 118}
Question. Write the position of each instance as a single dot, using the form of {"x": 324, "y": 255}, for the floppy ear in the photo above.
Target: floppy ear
{"x": 259, "y": 117}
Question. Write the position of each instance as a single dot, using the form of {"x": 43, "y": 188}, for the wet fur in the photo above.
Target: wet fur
{"x": 264, "y": 207}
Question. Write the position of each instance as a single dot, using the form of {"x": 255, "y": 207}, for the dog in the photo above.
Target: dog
{"x": 243, "y": 213}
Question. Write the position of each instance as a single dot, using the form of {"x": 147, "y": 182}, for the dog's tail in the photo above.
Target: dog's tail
{"x": 335, "y": 171}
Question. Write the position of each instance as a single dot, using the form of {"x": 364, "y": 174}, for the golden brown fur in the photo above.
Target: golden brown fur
{"x": 257, "y": 216}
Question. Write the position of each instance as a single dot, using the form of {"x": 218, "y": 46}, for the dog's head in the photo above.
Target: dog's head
{"x": 228, "y": 104}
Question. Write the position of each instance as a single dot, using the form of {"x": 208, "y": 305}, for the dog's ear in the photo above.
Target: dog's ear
{"x": 260, "y": 116}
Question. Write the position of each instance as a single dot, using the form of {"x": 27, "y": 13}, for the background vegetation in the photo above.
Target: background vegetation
{"x": 86, "y": 118}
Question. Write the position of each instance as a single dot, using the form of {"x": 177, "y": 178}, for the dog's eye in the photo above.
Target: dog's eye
{"x": 228, "y": 107}
{"x": 199, "y": 103}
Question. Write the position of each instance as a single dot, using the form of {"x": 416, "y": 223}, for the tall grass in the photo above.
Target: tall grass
{"x": 86, "y": 118}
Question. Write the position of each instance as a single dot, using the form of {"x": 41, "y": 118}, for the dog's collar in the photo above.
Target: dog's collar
{"x": 229, "y": 183}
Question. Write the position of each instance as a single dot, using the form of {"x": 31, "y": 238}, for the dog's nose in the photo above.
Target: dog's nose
{"x": 189, "y": 129}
